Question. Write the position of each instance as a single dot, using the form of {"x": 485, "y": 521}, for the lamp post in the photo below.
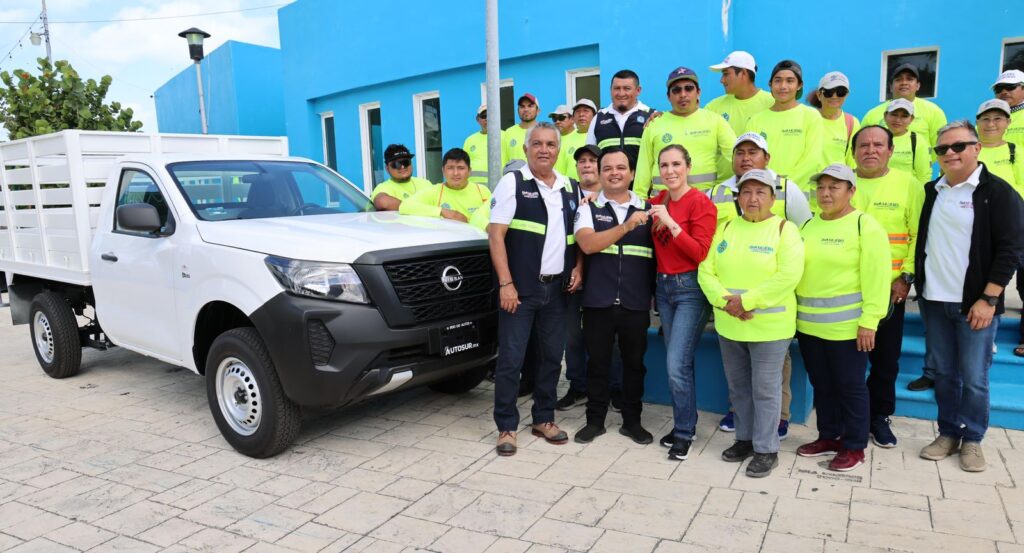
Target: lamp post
{"x": 195, "y": 37}
{"x": 37, "y": 38}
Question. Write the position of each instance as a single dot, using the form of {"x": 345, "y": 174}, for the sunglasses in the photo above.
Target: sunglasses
{"x": 839, "y": 91}
{"x": 1004, "y": 87}
{"x": 483, "y": 115}
{"x": 679, "y": 88}
{"x": 559, "y": 118}
{"x": 400, "y": 164}
{"x": 957, "y": 147}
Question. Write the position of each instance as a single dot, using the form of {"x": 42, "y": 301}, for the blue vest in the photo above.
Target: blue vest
{"x": 524, "y": 241}
{"x": 623, "y": 273}
{"x": 607, "y": 133}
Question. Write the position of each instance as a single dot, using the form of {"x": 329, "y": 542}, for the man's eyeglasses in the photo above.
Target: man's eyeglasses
{"x": 1005, "y": 87}
{"x": 559, "y": 118}
{"x": 839, "y": 91}
{"x": 400, "y": 164}
{"x": 679, "y": 88}
{"x": 957, "y": 147}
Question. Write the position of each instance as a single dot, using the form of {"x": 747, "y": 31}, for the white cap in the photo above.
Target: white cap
{"x": 834, "y": 79}
{"x": 585, "y": 102}
{"x": 1000, "y": 105}
{"x": 740, "y": 59}
{"x": 481, "y": 109}
{"x": 1010, "y": 76}
{"x": 757, "y": 139}
{"x": 562, "y": 109}
{"x": 761, "y": 176}
{"x": 837, "y": 171}
{"x": 900, "y": 103}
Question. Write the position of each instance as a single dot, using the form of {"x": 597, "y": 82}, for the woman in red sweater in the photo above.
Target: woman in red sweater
{"x": 684, "y": 224}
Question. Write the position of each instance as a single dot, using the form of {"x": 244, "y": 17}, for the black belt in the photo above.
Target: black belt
{"x": 549, "y": 278}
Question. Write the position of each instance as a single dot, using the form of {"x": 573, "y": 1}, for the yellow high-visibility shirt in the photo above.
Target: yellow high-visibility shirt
{"x": 1015, "y": 132}
{"x": 737, "y": 111}
{"x": 997, "y": 160}
{"x": 705, "y": 135}
{"x": 512, "y": 140}
{"x": 476, "y": 146}
{"x": 400, "y": 190}
{"x": 570, "y": 143}
{"x": 918, "y": 163}
{"x": 473, "y": 201}
{"x": 837, "y": 146}
{"x": 928, "y": 118}
{"x": 762, "y": 263}
{"x": 894, "y": 200}
{"x": 845, "y": 284}
{"x": 795, "y": 142}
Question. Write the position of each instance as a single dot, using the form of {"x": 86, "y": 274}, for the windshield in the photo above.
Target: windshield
{"x": 229, "y": 190}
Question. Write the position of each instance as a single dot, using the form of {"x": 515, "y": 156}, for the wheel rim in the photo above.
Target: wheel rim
{"x": 43, "y": 336}
{"x": 239, "y": 396}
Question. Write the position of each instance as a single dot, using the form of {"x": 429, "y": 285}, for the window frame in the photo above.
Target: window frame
{"x": 884, "y": 80}
{"x": 502, "y": 83}
{"x": 170, "y": 224}
{"x": 1002, "y": 50}
{"x": 570, "y": 82}
{"x": 364, "y": 143}
{"x": 419, "y": 133}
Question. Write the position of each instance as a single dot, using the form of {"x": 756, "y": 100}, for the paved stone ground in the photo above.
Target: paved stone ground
{"x": 125, "y": 457}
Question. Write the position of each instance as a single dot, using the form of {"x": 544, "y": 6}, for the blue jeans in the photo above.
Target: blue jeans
{"x": 684, "y": 312}
{"x": 546, "y": 310}
{"x": 576, "y": 351}
{"x": 961, "y": 358}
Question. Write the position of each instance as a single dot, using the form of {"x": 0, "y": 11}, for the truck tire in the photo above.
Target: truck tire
{"x": 246, "y": 398}
{"x": 55, "y": 337}
{"x": 463, "y": 382}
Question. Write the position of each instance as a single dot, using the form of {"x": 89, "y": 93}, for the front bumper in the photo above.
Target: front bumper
{"x": 330, "y": 353}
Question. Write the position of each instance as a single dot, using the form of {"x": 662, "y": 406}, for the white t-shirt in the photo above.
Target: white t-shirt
{"x": 585, "y": 215}
{"x": 949, "y": 239}
{"x": 620, "y": 118}
{"x": 798, "y": 210}
{"x": 503, "y": 209}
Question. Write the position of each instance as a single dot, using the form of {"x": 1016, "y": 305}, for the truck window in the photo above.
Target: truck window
{"x": 136, "y": 187}
{"x": 228, "y": 190}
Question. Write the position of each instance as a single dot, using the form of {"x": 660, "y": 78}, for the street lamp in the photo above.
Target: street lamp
{"x": 195, "y": 37}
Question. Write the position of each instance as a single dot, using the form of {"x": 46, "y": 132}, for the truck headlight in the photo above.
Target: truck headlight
{"x": 325, "y": 281}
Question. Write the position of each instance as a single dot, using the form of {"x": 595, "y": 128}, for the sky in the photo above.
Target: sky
{"x": 140, "y": 56}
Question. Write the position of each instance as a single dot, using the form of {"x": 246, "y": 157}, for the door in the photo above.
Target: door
{"x": 133, "y": 273}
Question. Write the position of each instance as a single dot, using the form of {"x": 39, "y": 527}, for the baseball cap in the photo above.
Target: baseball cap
{"x": 906, "y": 67}
{"x": 834, "y": 79}
{"x": 740, "y": 59}
{"x": 529, "y": 97}
{"x": 790, "y": 65}
{"x": 1010, "y": 76}
{"x": 585, "y": 102}
{"x": 682, "y": 73}
{"x": 396, "y": 151}
{"x": 561, "y": 110}
{"x": 757, "y": 139}
{"x": 761, "y": 176}
{"x": 481, "y": 109}
{"x": 587, "y": 148}
{"x": 1000, "y": 105}
{"x": 837, "y": 171}
{"x": 900, "y": 103}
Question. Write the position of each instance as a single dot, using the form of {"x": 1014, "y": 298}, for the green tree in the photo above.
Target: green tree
{"x": 58, "y": 99}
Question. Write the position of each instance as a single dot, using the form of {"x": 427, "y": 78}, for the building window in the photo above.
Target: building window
{"x": 583, "y": 83}
{"x": 372, "y": 145}
{"x": 427, "y": 119}
{"x": 507, "y": 97}
{"x": 1013, "y": 54}
{"x": 327, "y": 128}
{"x": 927, "y": 62}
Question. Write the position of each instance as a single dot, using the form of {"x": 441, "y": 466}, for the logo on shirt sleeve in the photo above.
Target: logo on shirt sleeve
{"x": 666, "y": 138}
{"x": 494, "y": 202}
{"x": 722, "y": 246}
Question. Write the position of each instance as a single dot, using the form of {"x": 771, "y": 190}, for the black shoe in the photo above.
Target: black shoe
{"x": 636, "y": 433}
{"x": 571, "y": 399}
{"x": 881, "y": 434}
{"x": 921, "y": 384}
{"x": 616, "y": 402}
{"x": 680, "y": 450}
{"x": 668, "y": 440}
{"x": 588, "y": 433}
{"x": 738, "y": 451}
{"x": 762, "y": 464}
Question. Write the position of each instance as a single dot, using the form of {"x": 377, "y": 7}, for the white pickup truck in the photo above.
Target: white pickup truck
{"x": 270, "y": 275}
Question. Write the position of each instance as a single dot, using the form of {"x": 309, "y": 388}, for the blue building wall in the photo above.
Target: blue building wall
{"x": 241, "y": 88}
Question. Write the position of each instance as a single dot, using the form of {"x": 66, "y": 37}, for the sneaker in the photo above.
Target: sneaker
{"x": 921, "y": 384}
{"x": 881, "y": 433}
{"x": 762, "y": 464}
{"x": 971, "y": 457}
{"x": 819, "y": 447}
{"x": 636, "y": 433}
{"x": 506, "y": 444}
{"x": 680, "y": 450}
{"x": 616, "y": 402}
{"x": 847, "y": 460}
{"x": 728, "y": 422}
{"x": 783, "y": 429}
{"x": 738, "y": 451}
{"x": 668, "y": 440}
{"x": 550, "y": 432}
{"x": 571, "y": 399}
{"x": 588, "y": 433}
{"x": 942, "y": 447}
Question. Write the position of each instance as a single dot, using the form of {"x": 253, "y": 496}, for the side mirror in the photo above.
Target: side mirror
{"x": 137, "y": 218}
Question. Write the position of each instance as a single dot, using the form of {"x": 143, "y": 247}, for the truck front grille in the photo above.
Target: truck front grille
{"x": 445, "y": 287}
{"x": 321, "y": 344}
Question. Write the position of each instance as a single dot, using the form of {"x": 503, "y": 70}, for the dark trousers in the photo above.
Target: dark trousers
{"x": 1020, "y": 293}
{"x": 885, "y": 363}
{"x": 836, "y": 370}
{"x": 545, "y": 311}
{"x": 601, "y": 327}
{"x": 576, "y": 350}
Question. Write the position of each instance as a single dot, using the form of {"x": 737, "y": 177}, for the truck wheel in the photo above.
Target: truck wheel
{"x": 246, "y": 397}
{"x": 55, "y": 335}
{"x": 463, "y": 382}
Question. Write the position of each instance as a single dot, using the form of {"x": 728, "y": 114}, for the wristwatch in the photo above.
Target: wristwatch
{"x": 991, "y": 300}
{"x": 907, "y": 277}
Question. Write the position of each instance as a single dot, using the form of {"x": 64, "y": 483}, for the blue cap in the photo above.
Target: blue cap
{"x": 682, "y": 73}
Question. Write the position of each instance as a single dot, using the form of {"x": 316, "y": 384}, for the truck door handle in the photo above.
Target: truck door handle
{"x": 109, "y": 257}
